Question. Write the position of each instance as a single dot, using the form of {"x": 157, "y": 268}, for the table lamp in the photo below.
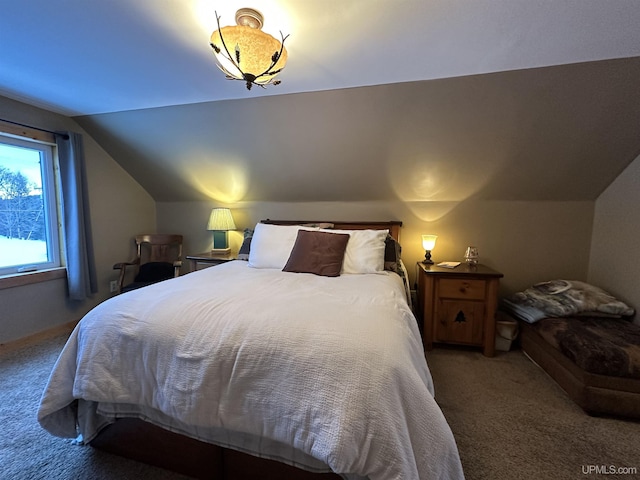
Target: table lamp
{"x": 220, "y": 222}
{"x": 428, "y": 242}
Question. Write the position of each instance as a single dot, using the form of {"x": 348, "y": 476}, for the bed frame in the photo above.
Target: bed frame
{"x": 144, "y": 442}
{"x": 595, "y": 394}
{"x": 138, "y": 440}
{"x": 392, "y": 226}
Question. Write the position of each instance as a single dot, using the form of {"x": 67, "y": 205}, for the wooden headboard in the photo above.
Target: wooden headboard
{"x": 393, "y": 226}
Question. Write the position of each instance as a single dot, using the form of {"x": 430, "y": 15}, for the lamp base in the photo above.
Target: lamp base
{"x": 427, "y": 258}
{"x": 220, "y": 244}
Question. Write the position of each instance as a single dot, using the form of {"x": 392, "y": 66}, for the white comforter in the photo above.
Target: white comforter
{"x": 310, "y": 370}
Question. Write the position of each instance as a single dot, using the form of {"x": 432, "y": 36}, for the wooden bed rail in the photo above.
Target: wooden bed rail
{"x": 393, "y": 226}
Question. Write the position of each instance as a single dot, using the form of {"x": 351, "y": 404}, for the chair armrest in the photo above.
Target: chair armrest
{"x": 176, "y": 267}
{"x": 123, "y": 265}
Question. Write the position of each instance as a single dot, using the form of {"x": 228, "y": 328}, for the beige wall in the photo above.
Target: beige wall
{"x": 615, "y": 254}
{"x": 119, "y": 208}
{"x": 526, "y": 241}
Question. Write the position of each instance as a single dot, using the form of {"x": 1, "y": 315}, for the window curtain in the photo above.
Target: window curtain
{"x": 78, "y": 242}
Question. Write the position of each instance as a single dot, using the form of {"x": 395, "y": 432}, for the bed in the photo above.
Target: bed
{"x": 296, "y": 363}
{"x": 584, "y": 338}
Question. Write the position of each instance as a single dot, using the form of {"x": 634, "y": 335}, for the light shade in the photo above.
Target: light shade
{"x": 244, "y": 52}
{"x": 221, "y": 220}
{"x": 429, "y": 241}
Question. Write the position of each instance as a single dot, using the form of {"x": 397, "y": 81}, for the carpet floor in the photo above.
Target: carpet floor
{"x": 509, "y": 419}
{"x": 27, "y": 452}
{"x": 512, "y": 421}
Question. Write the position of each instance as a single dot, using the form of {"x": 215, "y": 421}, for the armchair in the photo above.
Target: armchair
{"x": 158, "y": 258}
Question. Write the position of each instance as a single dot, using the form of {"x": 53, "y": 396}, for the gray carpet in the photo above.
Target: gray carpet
{"x": 29, "y": 452}
{"x": 509, "y": 419}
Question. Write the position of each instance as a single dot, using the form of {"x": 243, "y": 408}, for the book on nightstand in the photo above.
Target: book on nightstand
{"x": 448, "y": 264}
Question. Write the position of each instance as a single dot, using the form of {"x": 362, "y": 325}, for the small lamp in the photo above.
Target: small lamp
{"x": 220, "y": 222}
{"x": 428, "y": 242}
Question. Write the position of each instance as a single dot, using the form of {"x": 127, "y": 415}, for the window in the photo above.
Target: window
{"x": 29, "y": 233}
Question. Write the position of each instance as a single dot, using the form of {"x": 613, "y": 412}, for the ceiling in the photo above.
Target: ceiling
{"x": 80, "y": 57}
{"x": 417, "y": 100}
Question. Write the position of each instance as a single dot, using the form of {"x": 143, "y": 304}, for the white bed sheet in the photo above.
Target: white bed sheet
{"x": 309, "y": 370}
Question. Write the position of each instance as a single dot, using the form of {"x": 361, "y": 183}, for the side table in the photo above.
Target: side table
{"x": 208, "y": 259}
{"x": 458, "y": 305}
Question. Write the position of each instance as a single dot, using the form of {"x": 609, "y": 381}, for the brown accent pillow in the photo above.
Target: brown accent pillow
{"x": 320, "y": 253}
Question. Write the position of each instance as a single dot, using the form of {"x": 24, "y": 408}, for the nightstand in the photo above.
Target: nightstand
{"x": 458, "y": 305}
{"x": 207, "y": 259}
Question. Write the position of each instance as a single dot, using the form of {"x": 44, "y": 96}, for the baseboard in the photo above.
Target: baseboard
{"x": 37, "y": 337}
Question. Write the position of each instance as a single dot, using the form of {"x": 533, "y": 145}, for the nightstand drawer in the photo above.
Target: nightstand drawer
{"x": 462, "y": 288}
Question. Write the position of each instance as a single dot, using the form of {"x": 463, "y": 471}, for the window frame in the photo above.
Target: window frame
{"x": 45, "y": 144}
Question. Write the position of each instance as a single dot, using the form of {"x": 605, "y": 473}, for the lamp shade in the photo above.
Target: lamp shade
{"x": 256, "y": 51}
{"x": 429, "y": 241}
{"x": 221, "y": 220}
{"x": 244, "y": 52}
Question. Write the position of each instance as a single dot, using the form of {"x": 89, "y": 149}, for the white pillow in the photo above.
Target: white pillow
{"x": 271, "y": 245}
{"x": 365, "y": 250}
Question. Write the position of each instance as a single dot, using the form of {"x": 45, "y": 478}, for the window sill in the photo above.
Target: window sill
{"x": 20, "y": 279}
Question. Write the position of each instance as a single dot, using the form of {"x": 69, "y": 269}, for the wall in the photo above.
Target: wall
{"x": 526, "y": 241}
{"x": 119, "y": 209}
{"x": 615, "y": 254}
{"x": 546, "y": 134}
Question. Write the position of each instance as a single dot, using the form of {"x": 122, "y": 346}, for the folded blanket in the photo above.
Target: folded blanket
{"x": 523, "y": 312}
{"x": 561, "y": 298}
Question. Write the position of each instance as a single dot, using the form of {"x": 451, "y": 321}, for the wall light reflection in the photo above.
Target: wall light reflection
{"x": 431, "y": 188}
{"x": 221, "y": 181}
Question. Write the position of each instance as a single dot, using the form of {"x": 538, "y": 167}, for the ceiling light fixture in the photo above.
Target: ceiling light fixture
{"x": 255, "y": 57}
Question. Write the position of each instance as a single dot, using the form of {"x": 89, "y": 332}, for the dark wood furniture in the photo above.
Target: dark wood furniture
{"x": 458, "y": 305}
{"x": 595, "y": 394}
{"x": 393, "y": 226}
{"x": 207, "y": 259}
{"x": 138, "y": 440}
{"x": 156, "y": 248}
{"x": 142, "y": 441}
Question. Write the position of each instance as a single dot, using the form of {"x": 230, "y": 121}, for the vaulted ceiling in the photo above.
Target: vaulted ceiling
{"x": 381, "y": 99}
